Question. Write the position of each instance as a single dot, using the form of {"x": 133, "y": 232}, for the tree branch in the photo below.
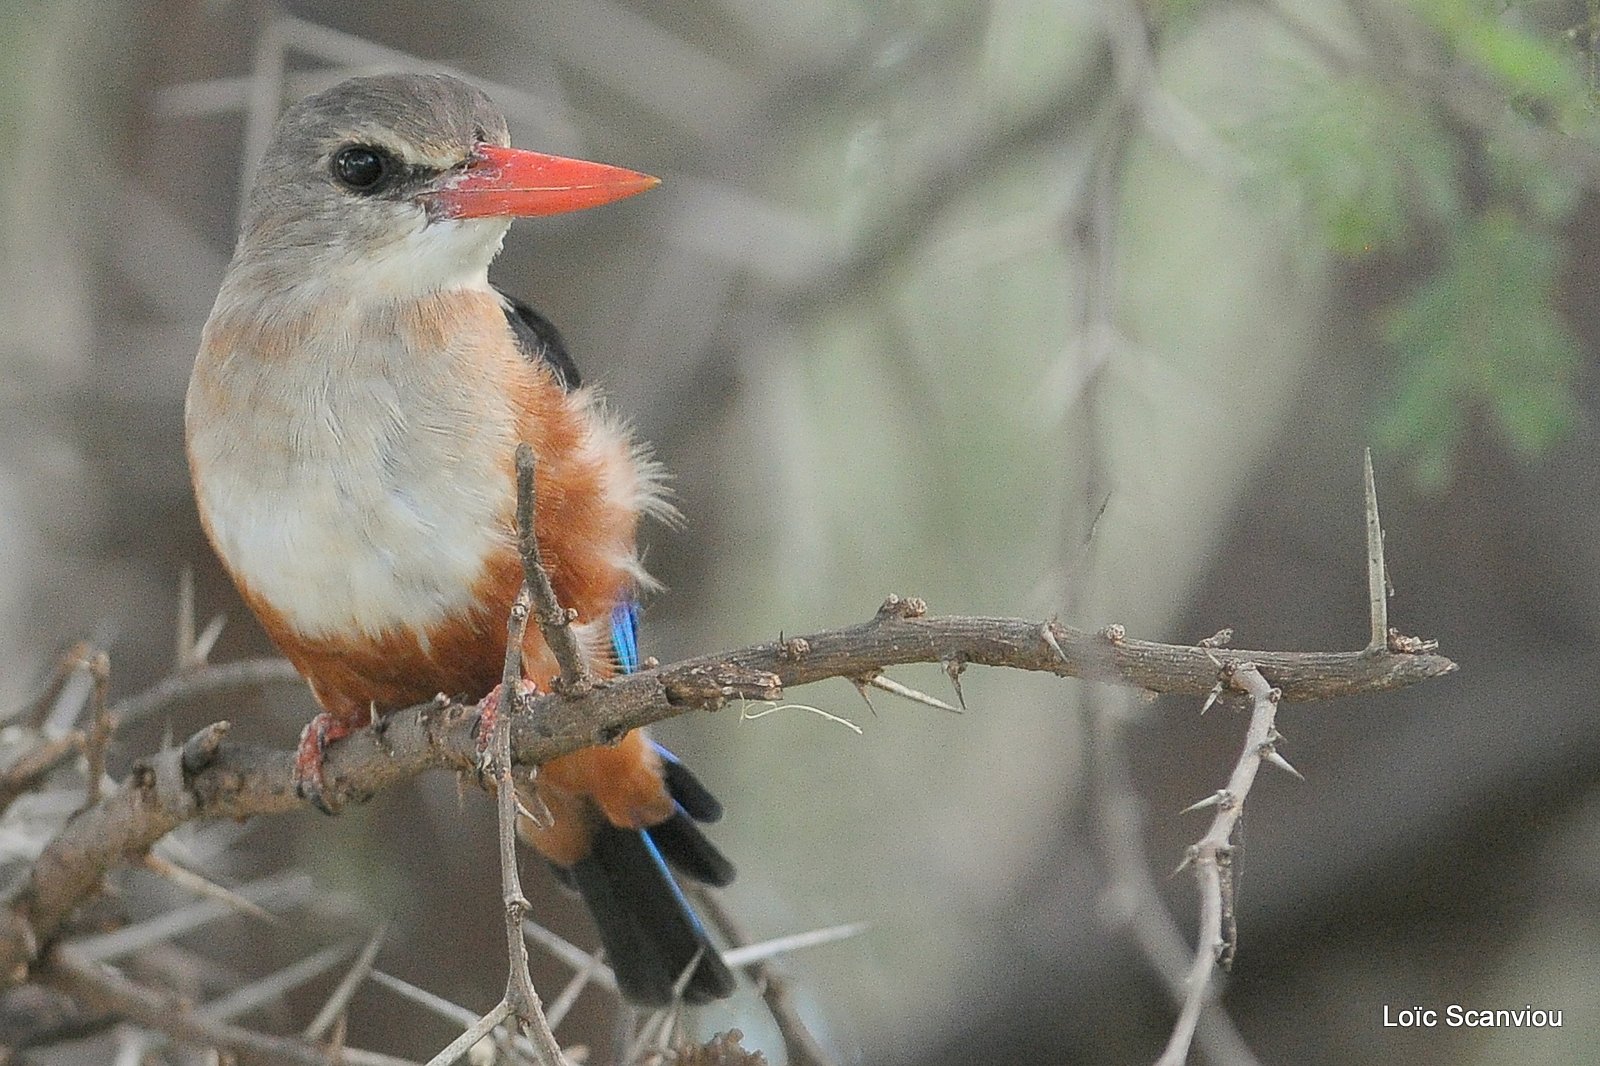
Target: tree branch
{"x": 1212, "y": 857}
{"x": 228, "y": 780}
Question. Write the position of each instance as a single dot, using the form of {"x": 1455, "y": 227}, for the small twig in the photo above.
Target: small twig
{"x": 33, "y": 712}
{"x": 1377, "y": 575}
{"x": 346, "y": 989}
{"x": 203, "y": 683}
{"x": 800, "y": 1046}
{"x": 569, "y": 953}
{"x": 103, "y": 988}
{"x": 201, "y": 886}
{"x": 555, "y": 622}
{"x": 1132, "y": 900}
{"x": 99, "y": 737}
{"x": 285, "y": 891}
{"x": 520, "y": 999}
{"x": 275, "y": 985}
{"x": 451, "y": 1012}
{"x": 569, "y": 995}
{"x": 183, "y": 643}
{"x": 476, "y": 1032}
{"x": 35, "y": 764}
{"x": 1212, "y": 858}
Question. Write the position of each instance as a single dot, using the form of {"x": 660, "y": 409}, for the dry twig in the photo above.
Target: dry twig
{"x": 237, "y": 781}
{"x": 537, "y": 596}
{"x": 1212, "y": 857}
{"x": 800, "y": 1047}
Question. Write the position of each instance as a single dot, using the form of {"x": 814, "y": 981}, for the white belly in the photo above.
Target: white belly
{"x": 360, "y": 494}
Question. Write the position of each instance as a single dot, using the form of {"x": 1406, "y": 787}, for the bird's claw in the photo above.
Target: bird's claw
{"x": 310, "y": 781}
{"x": 488, "y": 717}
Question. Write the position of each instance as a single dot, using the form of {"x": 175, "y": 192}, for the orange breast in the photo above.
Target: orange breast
{"x": 592, "y": 487}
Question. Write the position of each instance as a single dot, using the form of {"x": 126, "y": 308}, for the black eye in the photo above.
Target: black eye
{"x": 361, "y": 168}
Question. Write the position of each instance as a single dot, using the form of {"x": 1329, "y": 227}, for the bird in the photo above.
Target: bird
{"x": 351, "y": 423}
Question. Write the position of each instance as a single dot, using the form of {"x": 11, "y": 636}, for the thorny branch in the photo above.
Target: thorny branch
{"x": 1212, "y": 857}
{"x": 536, "y": 596}
{"x": 230, "y": 780}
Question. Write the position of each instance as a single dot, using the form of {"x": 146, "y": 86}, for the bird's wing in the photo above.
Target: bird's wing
{"x": 540, "y": 341}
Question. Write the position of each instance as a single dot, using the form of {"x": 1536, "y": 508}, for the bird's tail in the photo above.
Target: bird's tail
{"x": 650, "y": 932}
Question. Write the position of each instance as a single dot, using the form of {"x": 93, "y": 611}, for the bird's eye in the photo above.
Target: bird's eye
{"x": 360, "y": 167}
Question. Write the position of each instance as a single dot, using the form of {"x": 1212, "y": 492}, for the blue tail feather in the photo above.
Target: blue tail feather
{"x": 650, "y": 932}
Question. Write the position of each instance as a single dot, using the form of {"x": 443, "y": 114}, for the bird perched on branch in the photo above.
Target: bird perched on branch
{"x": 352, "y": 418}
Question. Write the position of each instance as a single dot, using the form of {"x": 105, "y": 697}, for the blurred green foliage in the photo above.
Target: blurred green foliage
{"x": 1481, "y": 335}
{"x": 1379, "y": 164}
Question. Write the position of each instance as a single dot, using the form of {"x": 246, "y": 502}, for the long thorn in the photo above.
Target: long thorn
{"x": 1377, "y": 575}
{"x": 890, "y": 685}
{"x": 861, "y": 687}
{"x": 1271, "y": 755}
{"x": 953, "y": 669}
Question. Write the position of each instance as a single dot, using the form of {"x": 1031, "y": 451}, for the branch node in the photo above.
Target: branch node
{"x": 200, "y": 750}
{"x": 895, "y": 606}
{"x": 1401, "y": 644}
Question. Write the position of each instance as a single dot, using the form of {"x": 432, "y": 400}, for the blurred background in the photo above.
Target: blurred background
{"x": 1076, "y": 307}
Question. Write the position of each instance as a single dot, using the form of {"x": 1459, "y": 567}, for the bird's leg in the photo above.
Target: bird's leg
{"x": 489, "y": 714}
{"x": 309, "y": 781}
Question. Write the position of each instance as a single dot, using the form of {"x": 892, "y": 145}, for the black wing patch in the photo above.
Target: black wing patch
{"x": 540, "y": 341}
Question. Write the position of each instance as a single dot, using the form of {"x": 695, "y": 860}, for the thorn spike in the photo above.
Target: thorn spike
{"x": 887, "y": 684}
{"x": 1271, "y": 755}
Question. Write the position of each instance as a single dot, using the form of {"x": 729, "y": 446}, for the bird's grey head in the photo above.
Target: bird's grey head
{"x": 393, "y": 186}
{"x": 352, "y": 180}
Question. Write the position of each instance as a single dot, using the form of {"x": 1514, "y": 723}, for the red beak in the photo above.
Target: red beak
{"x": 501, "y": 182}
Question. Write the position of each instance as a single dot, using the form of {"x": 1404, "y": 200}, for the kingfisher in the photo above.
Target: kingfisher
{"x": 351, "y": 423}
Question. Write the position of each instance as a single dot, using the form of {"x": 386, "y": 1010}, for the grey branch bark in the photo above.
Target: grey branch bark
{"x": 222, "y": 779}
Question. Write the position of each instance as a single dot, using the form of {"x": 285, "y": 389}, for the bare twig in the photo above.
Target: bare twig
{"x": 346, "y": 988}
{"x": 555, "y": 621}
{"x": 521, "y": 1000}
{"x": 282, "y": 891}
{"x": 206, "y": 683}
{"x": 1132, "y": 900}
{"x": 1212, "y": 857}
{"x": 201, "y": 886}
{"x": 103, "y": 988}
{"x": 273, "y": 987}
{"x": 34, "y": 764}
{"x": 99, "y": 737}
{"x": 800, "y": 1047}
{"x": 569, "y": 953}
{"x": 34, "y": 711}
{"x": 183, "y": 650}
{"x": 242, "y": 782}
{"x": 476, "y": 1032}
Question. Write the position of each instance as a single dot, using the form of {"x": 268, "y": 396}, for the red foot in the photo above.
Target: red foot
{"x": 309, "y": 782}
{"x": 489, "y": 714}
